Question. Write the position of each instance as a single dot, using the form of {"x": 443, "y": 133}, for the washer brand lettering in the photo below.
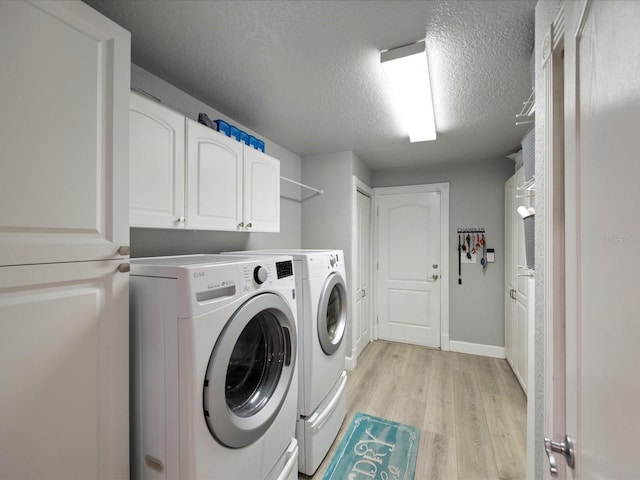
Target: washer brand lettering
{"x": 198, "y": 274}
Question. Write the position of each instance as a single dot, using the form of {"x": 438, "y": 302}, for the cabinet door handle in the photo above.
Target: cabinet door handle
{"x": 241, "y": 225}
{"x": 124, "y": 268}
{"x": 249, "y": 225}
{"x": 124, "y": 250}
{"x": 181, "y": 219}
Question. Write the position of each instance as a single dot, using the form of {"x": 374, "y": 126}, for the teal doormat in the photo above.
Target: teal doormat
{"x": 374, "y": 448}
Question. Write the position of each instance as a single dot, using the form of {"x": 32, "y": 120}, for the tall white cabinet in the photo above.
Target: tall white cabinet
{"x": 64, "y": 240}
{"x": 186, "y": 175}
{"x": 518, "y": 289}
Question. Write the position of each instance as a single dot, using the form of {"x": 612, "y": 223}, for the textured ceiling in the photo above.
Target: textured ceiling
{"x": 306, "y": 74}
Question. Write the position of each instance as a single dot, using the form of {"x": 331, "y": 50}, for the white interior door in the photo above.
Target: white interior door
{"x": 409, "y": 266}
{"x": 602, "y": 239}
{"x": 362, "y": 317}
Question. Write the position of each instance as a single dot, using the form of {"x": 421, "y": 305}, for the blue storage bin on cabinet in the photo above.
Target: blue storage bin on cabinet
{"x": 223, "y": 127}
{"x": 235, "y": 132}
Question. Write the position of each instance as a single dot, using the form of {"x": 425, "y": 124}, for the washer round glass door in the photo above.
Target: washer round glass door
{"x": 332, "y": 314}
{"x": 250, "y": 371}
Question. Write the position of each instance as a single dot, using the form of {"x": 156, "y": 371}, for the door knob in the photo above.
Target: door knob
{"x": 435, "y": 265}
{"x": 435, "y": 277}
{"x": 124, "y": 250}
{"x": 565, "y": 448}
{"x": 124, "y": 268}
{"x": 364, "y": 293}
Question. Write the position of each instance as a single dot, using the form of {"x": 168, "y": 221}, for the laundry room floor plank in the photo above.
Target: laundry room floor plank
{"x": 471, "y": 410}
{"x": 440, "y": 413}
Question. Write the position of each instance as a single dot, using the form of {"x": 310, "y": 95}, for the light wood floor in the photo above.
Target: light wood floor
{"x": 471, "y": 409}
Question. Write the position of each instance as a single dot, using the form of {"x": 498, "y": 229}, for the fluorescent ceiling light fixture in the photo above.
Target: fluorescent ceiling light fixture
{"x": 407, "y": 72}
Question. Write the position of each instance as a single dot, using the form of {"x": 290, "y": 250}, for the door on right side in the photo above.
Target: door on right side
{"x": 602, "y": 101}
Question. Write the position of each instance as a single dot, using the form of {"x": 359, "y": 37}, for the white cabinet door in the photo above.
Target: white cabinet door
{"x": 64, "y": 133}
{"x": 214, "y": 179}
{"x": 261, "y": 208}
{"x": 517, "y": 301}
{"x": 64, "y": 353}
{"x": 509, "y": 270}
{"x": 521, "y": 330}
{"x": 156, "y": 151}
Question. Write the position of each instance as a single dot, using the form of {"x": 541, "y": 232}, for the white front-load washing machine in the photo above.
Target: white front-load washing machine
{"x": 322, "y": 320}
{"x": 214, "y": 370}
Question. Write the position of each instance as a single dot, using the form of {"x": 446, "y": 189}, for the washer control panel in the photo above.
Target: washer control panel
{"x": 260, "y": 275}
{"x": 284, "y": 269}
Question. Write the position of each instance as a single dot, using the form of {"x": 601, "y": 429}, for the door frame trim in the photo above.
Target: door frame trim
{"x": 550, "y": 351}
{"x": 443, "y": 188}
{"x": 351, "y": 359}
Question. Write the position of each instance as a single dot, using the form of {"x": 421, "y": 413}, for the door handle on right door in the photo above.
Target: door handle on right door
{"x": 566, "y": 448}
{"x": 434, "y": 276}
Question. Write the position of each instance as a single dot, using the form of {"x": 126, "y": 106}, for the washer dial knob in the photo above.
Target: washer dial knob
{"x": 259, "y": 275}
{"x": 332, "y": 260}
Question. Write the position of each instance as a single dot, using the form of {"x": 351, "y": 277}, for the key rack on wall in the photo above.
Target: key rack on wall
{"x": 472, "y": 241}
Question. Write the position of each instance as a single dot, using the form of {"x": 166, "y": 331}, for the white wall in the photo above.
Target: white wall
{"x": 476, "y": 199}
{"x": 149, "y": 242}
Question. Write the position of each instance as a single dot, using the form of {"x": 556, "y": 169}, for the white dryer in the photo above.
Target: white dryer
{"x": 322, "y": 320}
{"x": 214, "y": 371}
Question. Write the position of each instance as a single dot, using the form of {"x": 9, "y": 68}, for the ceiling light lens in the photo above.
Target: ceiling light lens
{"x": 408, "y": 77}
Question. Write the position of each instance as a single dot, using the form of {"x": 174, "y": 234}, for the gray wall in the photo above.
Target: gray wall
{"x": 149, "y": 242}
{"x": 327, "y": 219}
{"x": 476, "y": 199}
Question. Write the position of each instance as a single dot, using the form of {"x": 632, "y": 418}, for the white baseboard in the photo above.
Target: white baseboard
{"x": 350, "y": 363}
{"x": 477, "y": 349}
{"x": 445, "y": 343}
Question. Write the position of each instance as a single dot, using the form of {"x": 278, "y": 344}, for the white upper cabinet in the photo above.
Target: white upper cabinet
{"x": 186, "y": 175}
{"x": 157, "y": 169}
{"x": 214, "y": 179}
{"x": 64, "y": 134}
{"x": 261, "y": 201}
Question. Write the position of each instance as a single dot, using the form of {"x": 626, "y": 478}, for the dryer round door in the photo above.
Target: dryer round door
{"x": 332, "y": 314}
{"x": 250, "y": 371}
